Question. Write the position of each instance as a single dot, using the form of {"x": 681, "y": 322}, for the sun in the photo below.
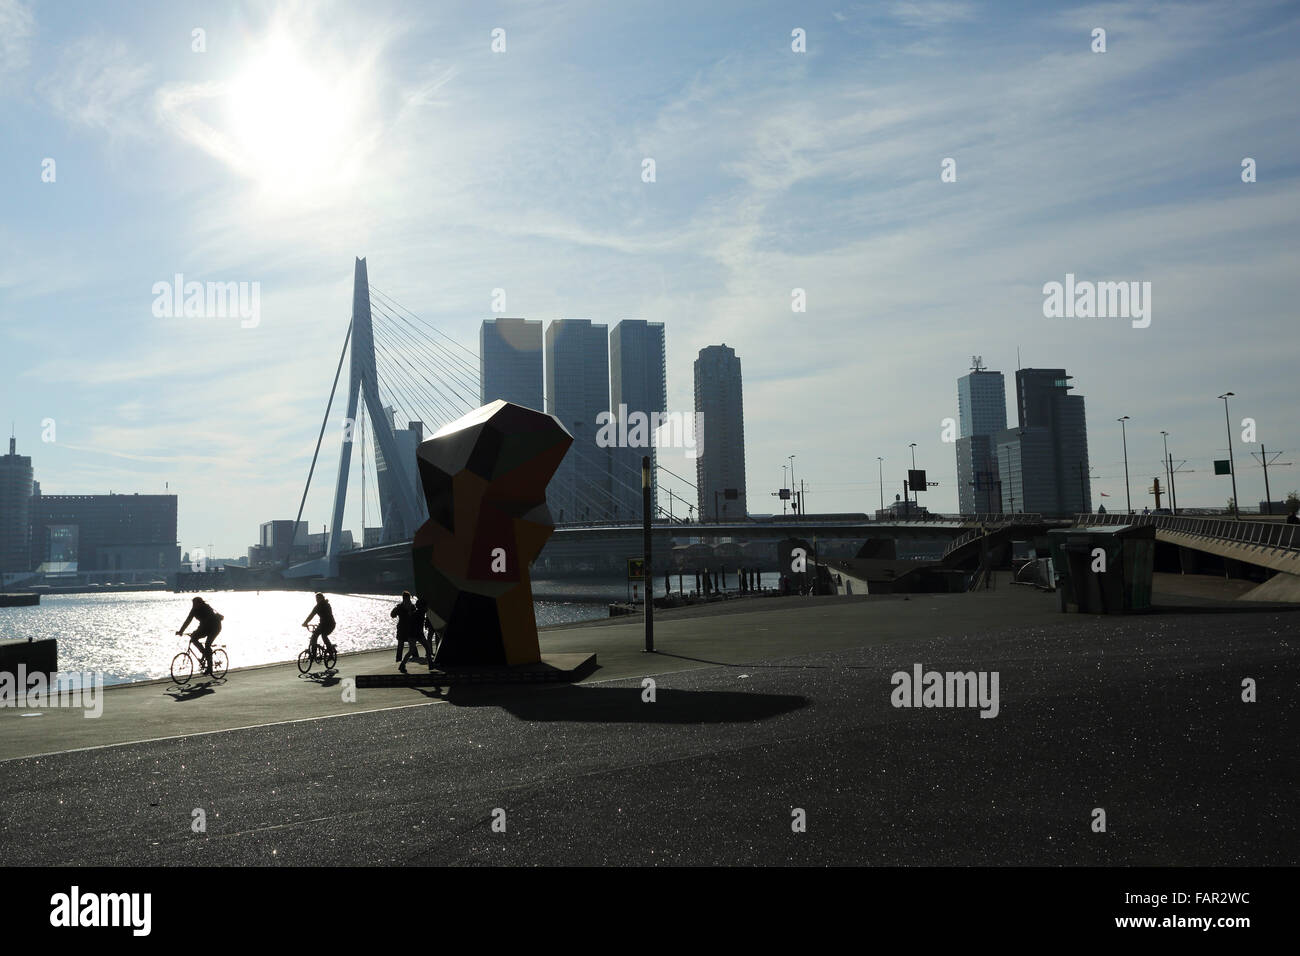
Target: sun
{"x": 293, "y": 121}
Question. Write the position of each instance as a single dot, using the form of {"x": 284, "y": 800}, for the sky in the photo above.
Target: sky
{"x": 301, "y": 136}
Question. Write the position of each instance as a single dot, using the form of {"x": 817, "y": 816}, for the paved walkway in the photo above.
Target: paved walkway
{"x": 730, "y": 632}
{"x": 761, "y": 711}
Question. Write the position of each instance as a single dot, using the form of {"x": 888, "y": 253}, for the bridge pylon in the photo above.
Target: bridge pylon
{"x": 363, "y": 385}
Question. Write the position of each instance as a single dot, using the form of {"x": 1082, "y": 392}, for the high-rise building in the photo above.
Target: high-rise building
{"x": 982, "y": 410}
{"x": 510, "y": 362}
{"x": 277, "y": 540}
{"x": 15, "y": 511}
{"x": 638, "y": 382}
{"x": 1044, "y": 461}
{"x": 407, "y": 441}
{"x": 105, "y": 532}
{"x": 577, "y": 392}
{"x": 719, "y": 403}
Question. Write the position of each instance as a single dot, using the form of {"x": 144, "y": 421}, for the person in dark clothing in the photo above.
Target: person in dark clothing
{"x": 324, "y": 626}
{"x": 408, "y": 628}
{"x": 426, "y": 629}
{"x": 209, "y": 627}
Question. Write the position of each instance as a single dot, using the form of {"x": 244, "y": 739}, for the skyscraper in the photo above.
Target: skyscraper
{"x": 577, "y": 392}
{"x": 721, "y": 463}
{"x": 510, "y": 362}
{"x": 15, "y": 511}
{"x": 637, "y": 380}
{"x": 106, "y": 532}
{"x": 407, "y": 442}
{"x": 1044, "y": 461}
{"x": 982, "y": 410}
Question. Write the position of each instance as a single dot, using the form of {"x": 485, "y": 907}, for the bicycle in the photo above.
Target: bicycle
{"x": 184, "y": 663}
{"x": 326, "y": 653}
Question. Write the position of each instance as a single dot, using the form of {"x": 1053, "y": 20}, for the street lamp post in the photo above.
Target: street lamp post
{"x": 1128, "y": 496}
{"x": 912, "y": 445}
{"x": 1169, "y": 478}
{"x": 784, "y": 487}
{"x": 1232, "y": 468}
{"x": 880, "y": 472}
{"x": 799, "y": 504}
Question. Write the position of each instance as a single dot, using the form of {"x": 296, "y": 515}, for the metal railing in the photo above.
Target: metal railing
{"x": 987, "y": 523}
{"x": 1266, "y": 534}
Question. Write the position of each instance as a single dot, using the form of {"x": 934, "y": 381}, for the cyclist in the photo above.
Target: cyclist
{"x": 209, "y": 627}
{"x": 324, "y": 626}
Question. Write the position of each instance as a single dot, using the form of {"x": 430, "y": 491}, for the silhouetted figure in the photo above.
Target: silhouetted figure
{"x": 408, "y": 629}
{"x": 426, "y": 629}
{"x": 209, "y": 627}
{"x": 668, "y": 584}
{"x": 324, "y": 625}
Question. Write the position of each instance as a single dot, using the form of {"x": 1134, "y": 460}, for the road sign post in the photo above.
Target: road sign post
{"x": 649, "y": 564}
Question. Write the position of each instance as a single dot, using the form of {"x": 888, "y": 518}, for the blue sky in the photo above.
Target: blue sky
{"x": 308, "y": 134}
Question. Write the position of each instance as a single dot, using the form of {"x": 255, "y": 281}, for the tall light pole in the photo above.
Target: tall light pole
{"x": 797, "y": 501}
{"x": 880, "y": 472}
{"x": 1236, "y": 506}
{"x": 1128, "y": 497}
{"x": 784, "y": 486}
{"x": 1168, "y": 477}
{"x": 912, "y": 445}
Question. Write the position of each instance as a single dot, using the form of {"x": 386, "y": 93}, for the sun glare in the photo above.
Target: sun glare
{"x": 293, "y": 120}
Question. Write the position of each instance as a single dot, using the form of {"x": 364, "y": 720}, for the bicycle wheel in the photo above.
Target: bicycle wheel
{"x": 304, "y": 661}
{"x": 330, "y": 657}
{"x": 220, "y": 662}
{"x": 182, "y": 667}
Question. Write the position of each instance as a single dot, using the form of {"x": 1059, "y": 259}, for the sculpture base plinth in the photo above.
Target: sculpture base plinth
{"x": 553, "y": 668}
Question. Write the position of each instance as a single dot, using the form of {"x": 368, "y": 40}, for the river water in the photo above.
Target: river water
{"x": 132, "y": 636}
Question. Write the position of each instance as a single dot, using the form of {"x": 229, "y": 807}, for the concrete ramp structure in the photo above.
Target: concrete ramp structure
{"x": 1271, "y": 545}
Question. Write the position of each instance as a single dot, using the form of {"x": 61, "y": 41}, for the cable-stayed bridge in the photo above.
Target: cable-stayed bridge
{"x": 406, "y": 379}
{"x": 403, "y": 369}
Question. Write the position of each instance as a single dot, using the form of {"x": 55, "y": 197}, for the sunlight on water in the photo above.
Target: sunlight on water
{"x": 132, "y": 636}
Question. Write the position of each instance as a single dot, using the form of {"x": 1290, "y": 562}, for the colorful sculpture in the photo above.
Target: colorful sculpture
{"x": 484, "y": 477}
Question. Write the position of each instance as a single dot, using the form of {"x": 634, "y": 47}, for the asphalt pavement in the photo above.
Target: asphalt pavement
{"x": 763, "y": 718}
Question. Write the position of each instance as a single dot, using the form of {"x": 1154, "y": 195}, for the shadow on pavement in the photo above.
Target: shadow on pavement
{"x": 327, "y": 678}
{"x": 624, "y": 704}
{"x": 193, "y": 692}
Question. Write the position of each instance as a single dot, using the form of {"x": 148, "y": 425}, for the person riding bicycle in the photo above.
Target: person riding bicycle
{"x": 209, "y": 627}
{"x": 324, "y": 626}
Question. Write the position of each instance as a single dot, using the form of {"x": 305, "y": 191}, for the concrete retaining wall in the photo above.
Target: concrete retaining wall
{"x": 42, "y": 656}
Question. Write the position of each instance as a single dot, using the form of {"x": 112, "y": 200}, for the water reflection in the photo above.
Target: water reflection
{"x": 132, "y": 636}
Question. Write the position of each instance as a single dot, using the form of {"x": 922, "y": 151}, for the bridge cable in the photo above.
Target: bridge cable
{"x": 325, "y": 421}
{"x": 468, "y": 375}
